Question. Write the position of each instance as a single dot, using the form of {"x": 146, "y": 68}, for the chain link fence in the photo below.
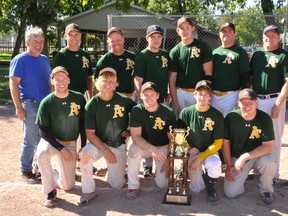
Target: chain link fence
{"x": 248, "y": 34}
{"x": 248, "y": 29}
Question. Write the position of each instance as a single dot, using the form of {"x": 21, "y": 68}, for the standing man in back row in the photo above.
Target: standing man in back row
{"x": 231, "y": 70}
{"x": 270, "y": 82}
{"x": 191, "y": 62}
{"x": 29, "y": 83}
{"x": 152, "y": 64}
{"x": 120, "y": 60}
{"x": 76, "y": 61}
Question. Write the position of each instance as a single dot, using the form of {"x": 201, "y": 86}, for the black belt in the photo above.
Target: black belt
{"x": 268, "y": 96}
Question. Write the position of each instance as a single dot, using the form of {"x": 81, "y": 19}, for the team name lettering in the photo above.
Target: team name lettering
{"x": 208, "y": 124}
{"x": 130, "y": 64}
{"x": 195, "y": 52}
{"x": 85, "y": 62}
{"x": 118, "y": 111}
{"x": 159, "y": 124}
{"x": 229, "y": 58}
{"x": 255, "y": 133}
{"x": 74, "y": 109}
{"x": 164, "y": 62}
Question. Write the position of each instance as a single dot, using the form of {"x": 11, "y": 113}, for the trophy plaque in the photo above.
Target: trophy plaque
{"x": 177, "y": 192}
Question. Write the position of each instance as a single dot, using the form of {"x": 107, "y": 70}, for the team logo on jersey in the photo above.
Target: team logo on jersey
{"x": 74, "y": 109}
{"x": 255, "y": 133}
{"x": 164, "y": 62}
{"x": 273, "y": 61}
{"x": 229, "y": 58}
{"x": 130, "y": 64}
{"x": 85, "y": 62}
{"x": 159, "y": 124}
{"x": 195, "y": 52}
{"x": 118, "y": 111}
{"x": 208, "y": 125}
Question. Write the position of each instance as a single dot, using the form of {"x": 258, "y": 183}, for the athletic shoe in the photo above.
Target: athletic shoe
{"x": 267, "y": 198}
{"x": 284, "y": 185}
{"x": 148, "y": 173}
{"x": 28, "y": 176}
{"x": 132, "y": 194}
{"x": 51, "y": 197}
{"x": 85, "y": 198}
{"x": 212, "y": 197}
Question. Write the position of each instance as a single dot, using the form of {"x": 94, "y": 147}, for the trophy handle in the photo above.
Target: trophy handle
{"x": 187, "y": 132}
{"x": 171, "y": 132}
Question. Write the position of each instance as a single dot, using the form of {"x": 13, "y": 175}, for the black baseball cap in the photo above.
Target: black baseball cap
{"x": 58, "y": 69}
{"x": 149, "y": 85}
{"x": 154, "y": 29}
{"x": 271, "y": 28}
{"x": 186, "y": 19}
{"x": 247, "y": 93}
{"x": 229, "y": 25}
{"x": 203, "y": 83}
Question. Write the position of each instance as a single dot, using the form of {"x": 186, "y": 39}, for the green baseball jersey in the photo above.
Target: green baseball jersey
{"x": 155, "y": 125}
{"x": 78, "y": 65}
{"x": 205, "y": 127}
{"x": 153, "y": 67}
{"x": 188, "y": 60}
{"x": 229, "y": 64}
{"x": 62, "y": 115}
{"x": 109, "y": 118}
{"x": 245, "y": 135}
{"x": 269, "y": 69}
{"x": 123, "y": 65}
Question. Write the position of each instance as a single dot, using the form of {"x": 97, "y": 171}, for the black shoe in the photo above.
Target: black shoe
{"x": 51, "y": 197}
{"x": 212, "y": 197}
{"x": 29, "y": 177}
{"x": 267, "y": 198}
{"x": 148, "y": 173}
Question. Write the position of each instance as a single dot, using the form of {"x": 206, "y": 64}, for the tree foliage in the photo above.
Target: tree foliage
{"x": 17, "y": 15}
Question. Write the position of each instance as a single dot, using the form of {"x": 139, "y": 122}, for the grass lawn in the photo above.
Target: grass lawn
{"x": 5, "y": 57}
{"x": 5, "y": 96}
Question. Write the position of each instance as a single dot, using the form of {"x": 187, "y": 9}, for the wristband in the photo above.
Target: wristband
{"x": 208, "y": 77}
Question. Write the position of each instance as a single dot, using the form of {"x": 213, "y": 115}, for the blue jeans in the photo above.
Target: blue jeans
{"x": 31, "y": 134}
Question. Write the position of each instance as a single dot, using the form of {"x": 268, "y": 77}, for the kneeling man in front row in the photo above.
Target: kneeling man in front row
{"x": 248, "y": 143}
{"x": 149, "y": 126}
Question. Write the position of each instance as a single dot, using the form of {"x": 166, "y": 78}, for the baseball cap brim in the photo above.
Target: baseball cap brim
{"x": 107, "y": 69}
{"x": 58, "y": 69}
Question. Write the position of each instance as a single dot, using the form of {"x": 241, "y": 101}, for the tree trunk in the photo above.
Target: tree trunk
{"x": 267, "y": 8}
{"x": 19, "y": 39}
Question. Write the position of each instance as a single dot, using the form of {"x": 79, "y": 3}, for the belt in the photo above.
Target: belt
{"x": 127, "y": 94}
{"x": 268, "y": 96}
{"x": 219, "y": 93}
{"x": 187, "y": 89}
{"x": 66, "y": 142}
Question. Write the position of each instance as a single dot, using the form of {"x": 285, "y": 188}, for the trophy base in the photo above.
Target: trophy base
{"x": 177, "y": 199}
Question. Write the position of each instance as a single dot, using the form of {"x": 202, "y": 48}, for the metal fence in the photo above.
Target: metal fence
{"x": 248, "y": 34}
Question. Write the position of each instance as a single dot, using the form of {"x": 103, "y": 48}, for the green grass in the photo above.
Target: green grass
{"x": 5, "y": 96}
{"x": 5, "y": 57}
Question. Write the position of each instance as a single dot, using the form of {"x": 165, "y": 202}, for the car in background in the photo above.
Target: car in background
{"x": 249, "y": 51}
